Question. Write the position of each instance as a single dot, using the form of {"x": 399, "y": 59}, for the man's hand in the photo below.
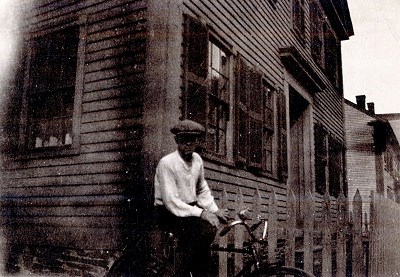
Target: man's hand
{"x": 210, "y": 217}
{"x": 222, "y": 215}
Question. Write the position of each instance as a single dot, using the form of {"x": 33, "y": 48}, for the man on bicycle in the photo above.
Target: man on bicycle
{"x": 184, "y": 206}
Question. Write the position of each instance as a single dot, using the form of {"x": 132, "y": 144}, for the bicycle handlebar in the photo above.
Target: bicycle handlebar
{"x": 228, "y": 227}
{"x": 244, "y": 216}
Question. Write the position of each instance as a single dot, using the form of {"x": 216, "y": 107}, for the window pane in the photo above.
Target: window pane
{"x": 196, "y": 103}
{"x": 215, "y": 57}
{"x": 197, "y": 41}
{"x": 241, "y": 135}
{"x": 268, "y": 152}
{"x": 255, "y": 91}
{"x": 268, "y": 106}
{"x": 216, "y": 128}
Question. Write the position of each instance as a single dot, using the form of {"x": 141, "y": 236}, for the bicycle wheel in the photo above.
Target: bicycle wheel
{"x": 282, "y": 271}
{"x": 125, "y": 266}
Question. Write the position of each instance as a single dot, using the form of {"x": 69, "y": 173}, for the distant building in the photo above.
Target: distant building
{"x": 373, "y": 152}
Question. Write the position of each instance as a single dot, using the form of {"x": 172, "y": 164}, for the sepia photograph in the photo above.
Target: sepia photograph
{"x": 199, "y": 138}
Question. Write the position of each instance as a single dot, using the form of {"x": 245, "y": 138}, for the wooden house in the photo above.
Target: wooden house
{"x": 372, "y": 152}
{"x": 100, "y": 84}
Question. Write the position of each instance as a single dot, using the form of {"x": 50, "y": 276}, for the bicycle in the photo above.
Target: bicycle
{"x": 128, "y": 264}
{"x": 256, "y": 266}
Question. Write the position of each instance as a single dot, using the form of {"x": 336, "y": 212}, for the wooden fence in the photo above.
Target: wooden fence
{"x": 315, "y": 242}
{"x": 384, "y": 237}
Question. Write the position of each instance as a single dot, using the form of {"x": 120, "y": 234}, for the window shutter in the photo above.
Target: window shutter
{"x": 298, "y": 17}
{"x": 320, "y": 159}
{"x": 331, "y": 57}
{"x": 335, "y": 167}
{"x": 282, "y": 135}
{"x": 241, "y": 139}
{"x": 316, "y": 33}
{"x": 195, "y": 59}
{"x": 255, "y": 143}
{"x": 255, "y": 108}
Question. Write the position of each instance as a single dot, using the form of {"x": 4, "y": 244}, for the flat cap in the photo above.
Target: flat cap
{"x": 188, "y": 127}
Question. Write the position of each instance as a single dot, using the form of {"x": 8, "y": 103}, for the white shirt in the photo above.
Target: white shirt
{"x": 178, "y": 183}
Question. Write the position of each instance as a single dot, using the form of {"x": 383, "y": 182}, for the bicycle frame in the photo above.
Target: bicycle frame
{"x": 256, "y": 267}
{"x": 252, "y": 241}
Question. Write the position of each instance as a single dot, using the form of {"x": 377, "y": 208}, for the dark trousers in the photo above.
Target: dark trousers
{"x": 178, "y": 245}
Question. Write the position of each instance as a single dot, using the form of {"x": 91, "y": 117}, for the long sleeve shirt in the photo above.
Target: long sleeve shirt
{"x": 178, "y": 183}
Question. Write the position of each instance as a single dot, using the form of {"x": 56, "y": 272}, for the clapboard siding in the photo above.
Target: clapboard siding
{"x": 56, "y": 211}
{"x": 234, "y": 180}
{"x": 49, "y": 236}
{"x": 88, "y": 190}
{"x": 66, "y": 190}
{"x": 116, "y": 124}
{"x": 56, "y": 181}
{"x": 47, "y": 15}
{"x": 111, "y": 114}
{"x": 78, "y": 169}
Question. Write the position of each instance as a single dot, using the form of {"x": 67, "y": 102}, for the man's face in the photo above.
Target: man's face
{"x": 187, "y": 144}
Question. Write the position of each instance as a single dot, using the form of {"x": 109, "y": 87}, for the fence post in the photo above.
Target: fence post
{"x": 309, "y": 231}
{"x": 290, "y": 229}
{"x": 357, "y": 235}
{"x": 374, "y": 237}
{"x": 239, "y": 233}
{"x": 341, "y": 236}
{"x": 327, "y": 238}
{"x": 272, "y": 227}
{"x": 223, "y": 242}
{"x": 257, "y": 201}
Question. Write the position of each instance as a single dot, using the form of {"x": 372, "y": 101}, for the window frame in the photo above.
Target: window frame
{"x": 24, "y": 152}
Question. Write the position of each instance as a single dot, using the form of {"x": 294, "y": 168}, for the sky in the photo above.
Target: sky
{"x": 371, "y": 58}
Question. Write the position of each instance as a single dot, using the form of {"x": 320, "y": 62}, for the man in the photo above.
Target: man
{"x": 184, "y": 205}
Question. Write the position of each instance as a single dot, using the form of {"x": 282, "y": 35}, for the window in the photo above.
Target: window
{"x": 269, "y": 123}
{"x": 325, "y": 47}
{"x": 298, "y": 18}
{"x": 388, "y": 161}
{"x": 255, "y": 119}
{"x": 207, "y": 91}
{"x": 331, "y": 55}
{"x": 49, "y": 105}
{"x": 336, "y": 175}
{"x": 321, "y": 159}
{"x": 329, "y": 163}
{"x": 218, "y": 100}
